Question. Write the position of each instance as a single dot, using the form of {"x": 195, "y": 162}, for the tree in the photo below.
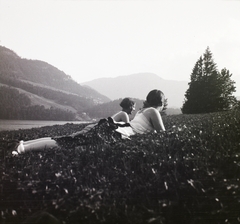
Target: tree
{"x": 227, "y": 86}
{"x": 209, "y": 90}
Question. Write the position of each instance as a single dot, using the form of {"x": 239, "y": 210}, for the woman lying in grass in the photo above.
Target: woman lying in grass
{"x": 128, "y": 106}
{"x": 148, "y": 119}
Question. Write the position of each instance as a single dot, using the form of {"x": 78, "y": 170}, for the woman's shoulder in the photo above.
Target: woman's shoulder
{"x": 149, "y": 109}
{"x": 122, "y": 113}
{"x": 120, "y": 116}
{"x": 150, "y": 112}
{"x": 119, "y": 113}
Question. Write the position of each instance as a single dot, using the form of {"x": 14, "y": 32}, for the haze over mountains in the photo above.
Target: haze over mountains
{"x": 33, "y": 89}
{"x": 138, "y": 85}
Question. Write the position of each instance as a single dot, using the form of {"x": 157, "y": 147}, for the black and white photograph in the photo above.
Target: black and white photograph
{"x": 119, "y": 112}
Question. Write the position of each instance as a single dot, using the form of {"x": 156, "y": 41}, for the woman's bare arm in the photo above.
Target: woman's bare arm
{"x": 121, "y": 116}
{"x": 156, "y": 120}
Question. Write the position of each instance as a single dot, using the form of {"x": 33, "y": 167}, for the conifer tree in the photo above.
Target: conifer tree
{"x": 209, "y": 90}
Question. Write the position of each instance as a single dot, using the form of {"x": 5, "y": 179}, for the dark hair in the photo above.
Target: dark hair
{"x": 154, "y": 98}
{"x": 127, "y": 103}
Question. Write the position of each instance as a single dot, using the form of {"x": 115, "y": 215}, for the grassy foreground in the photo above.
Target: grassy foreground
{"x": 189, "y": 174}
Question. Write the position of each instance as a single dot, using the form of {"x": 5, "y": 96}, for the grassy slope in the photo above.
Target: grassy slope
{"x": 189, "y": 174}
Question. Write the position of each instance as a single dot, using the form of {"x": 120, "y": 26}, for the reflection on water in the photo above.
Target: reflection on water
{"x": 8, "y": 125}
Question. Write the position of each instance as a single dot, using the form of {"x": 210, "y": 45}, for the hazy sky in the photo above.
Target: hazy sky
{"x": 109, "y": 38}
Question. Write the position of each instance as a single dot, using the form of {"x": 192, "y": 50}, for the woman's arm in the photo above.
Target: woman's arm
{"x": 156, "y": 120}
{"x": 121, "y": 116}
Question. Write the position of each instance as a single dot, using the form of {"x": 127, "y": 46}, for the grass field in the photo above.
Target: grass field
{"x": 189, "y": 174}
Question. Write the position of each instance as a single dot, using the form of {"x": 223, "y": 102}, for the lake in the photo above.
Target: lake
{"x": 9, "y": 125}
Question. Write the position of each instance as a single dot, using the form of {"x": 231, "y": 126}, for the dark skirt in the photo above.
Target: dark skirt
{"x": 104, "y": 132}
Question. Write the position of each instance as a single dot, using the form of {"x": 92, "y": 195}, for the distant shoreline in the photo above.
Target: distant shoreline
{"x": 11, "y": 125}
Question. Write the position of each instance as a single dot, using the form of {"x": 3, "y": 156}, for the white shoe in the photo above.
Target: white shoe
{"x": 20, "y": 148}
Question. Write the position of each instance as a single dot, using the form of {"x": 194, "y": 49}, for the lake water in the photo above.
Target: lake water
{"x": 9, "y": 125}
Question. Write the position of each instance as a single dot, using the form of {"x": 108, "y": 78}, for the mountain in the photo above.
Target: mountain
{"x": 138, "y": 85}
{"x": 44, "y": 87}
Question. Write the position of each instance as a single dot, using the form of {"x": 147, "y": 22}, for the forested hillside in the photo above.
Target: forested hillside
{"x": 15, "y": 105}
{"x": 60, "y": 95}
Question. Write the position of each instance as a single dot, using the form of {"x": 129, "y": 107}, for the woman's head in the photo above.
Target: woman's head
{"x": 155, "y": 98}
{"x": 128, "y": 105}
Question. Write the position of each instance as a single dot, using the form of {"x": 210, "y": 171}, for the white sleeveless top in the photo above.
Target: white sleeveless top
{"x": 139, "y": 125}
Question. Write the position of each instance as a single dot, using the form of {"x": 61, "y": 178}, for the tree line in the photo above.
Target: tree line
{"x": 77, "y": 102}
{"x": 17, "y": 106}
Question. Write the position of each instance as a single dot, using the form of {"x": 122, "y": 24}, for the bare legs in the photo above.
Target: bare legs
{"x": 36, "y": 144}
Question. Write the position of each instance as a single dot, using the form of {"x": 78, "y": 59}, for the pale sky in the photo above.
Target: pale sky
{"x": 109, "y": 38}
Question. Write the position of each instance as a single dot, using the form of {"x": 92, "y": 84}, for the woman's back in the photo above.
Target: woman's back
{"x": 154, "y": 117}
{"x": 146, "y": 120}
{"x": 141, "y": 123}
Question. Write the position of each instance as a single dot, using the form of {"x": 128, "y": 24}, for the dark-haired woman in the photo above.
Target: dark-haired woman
{"x": 128, "y": 105}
